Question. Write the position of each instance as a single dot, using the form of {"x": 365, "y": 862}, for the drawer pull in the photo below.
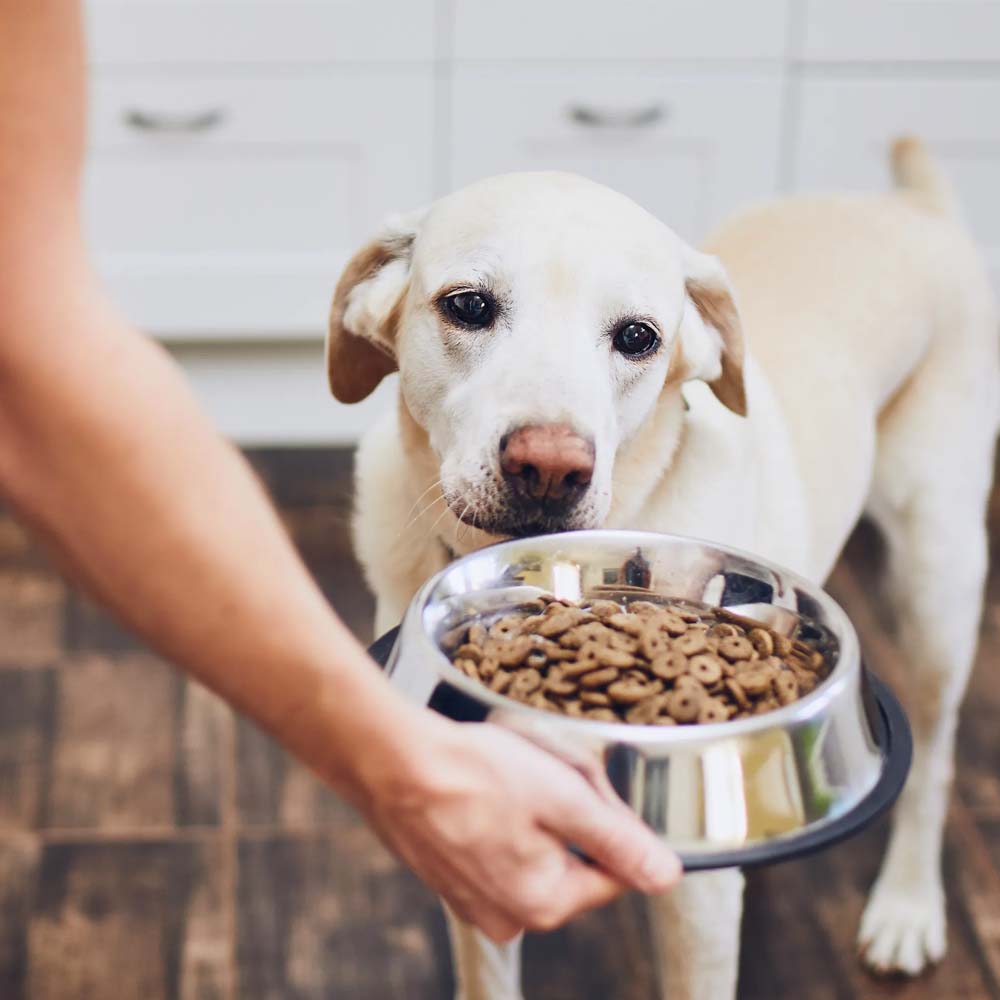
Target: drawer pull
{"x": 583, "y": 114}
{"x": 154, "y": 121}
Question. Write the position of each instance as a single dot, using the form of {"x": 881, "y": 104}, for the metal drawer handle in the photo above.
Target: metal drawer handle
{"x": 153, "y": 121}
{"x": 592, "y": 117}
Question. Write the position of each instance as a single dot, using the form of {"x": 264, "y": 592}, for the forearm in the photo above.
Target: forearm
{"x": 104, "y": 450}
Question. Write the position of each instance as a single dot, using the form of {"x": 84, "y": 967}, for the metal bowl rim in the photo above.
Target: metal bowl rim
{"x": 845, "y": 670}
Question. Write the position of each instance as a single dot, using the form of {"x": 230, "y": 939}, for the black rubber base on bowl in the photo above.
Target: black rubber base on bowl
{"x": 892, "y": 733}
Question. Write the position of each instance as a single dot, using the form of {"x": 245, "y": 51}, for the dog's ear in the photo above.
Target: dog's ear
{"x": 711, "y": 336}
{"x": 367, "y": 304}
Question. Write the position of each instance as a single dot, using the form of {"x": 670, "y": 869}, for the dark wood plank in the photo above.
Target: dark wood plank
{"x": 274, "y": 791}
{"x": 143, "y": 920}
{"x": 31, "y": 617}
{"x": 333, "y": 916}
{"x": 134, "y": 747}
{"x": 27, "y": 724}
{"x": 18, "y": 875}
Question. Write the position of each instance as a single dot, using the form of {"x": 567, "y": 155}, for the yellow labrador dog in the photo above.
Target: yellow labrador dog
{"x": 567, "y": 362}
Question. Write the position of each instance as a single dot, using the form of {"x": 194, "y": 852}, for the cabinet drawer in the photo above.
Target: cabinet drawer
{"x": 847, "y": 125}
{"x": 689, "y": 148}
{"x": 901, "y": 30}
{"x": 643, "y": 29}
{"x": 144, "y": 32}
{"x": 231, "y": 205}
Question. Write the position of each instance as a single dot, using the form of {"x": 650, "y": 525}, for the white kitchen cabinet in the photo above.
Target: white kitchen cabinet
{"x": 847, "y": 125}
{"x": 147, "y": 33}
{"x": 688, "y": 147}
{"x": 900, "y": 31}
{"x": 225, "y": 207}
{"x": 640, "y": 29}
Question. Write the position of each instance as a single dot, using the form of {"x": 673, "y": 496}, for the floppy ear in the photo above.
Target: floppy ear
{"x": 367, "y": 304}
{"x": 711, "y": 335}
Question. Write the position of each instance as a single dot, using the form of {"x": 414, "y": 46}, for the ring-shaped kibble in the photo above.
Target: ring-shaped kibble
{"x": 525, "y": 682}
{"x": 670, "y": 665}
{"x": 712, "y": 710}
{"x": 723, "y": 630}
{"x": 762, "y": 641}
{"x": 684, "y": 704}
{"x": 706, "y": 668}
{"x": 599, "y": 678}
{"x": 653, "y": 643}
{"x": 735, "y": 647}
{"x": 692, "y": 642}
{"x": 673, "y": 624}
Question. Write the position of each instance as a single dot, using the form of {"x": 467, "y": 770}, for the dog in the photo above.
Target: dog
{"x": 566, "y": 361}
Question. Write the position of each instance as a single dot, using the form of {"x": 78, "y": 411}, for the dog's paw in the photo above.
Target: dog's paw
{"x": 903, "y": 930}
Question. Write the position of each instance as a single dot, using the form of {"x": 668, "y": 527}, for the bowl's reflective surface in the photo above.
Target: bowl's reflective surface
{"x": 709, "y": 789}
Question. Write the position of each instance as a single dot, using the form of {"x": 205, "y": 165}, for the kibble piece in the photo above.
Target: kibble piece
{"x": 525, "y": 682}
{"x": 599, "y": 678}
{"x": 644, "y": 608}
{"x": 630, "y": 624}
{"x": 623, "y": 642}
{"x": 724, "y": 630}
{"x": 487, "y": 668}
{"x": 537, "y": 659}
{"x": 506, "y": 628}
{"x": 739, "y": 695}
{"x": 468, "y": 667}
{"x": 673, "y": 624}
{"x": 762, "y": 641}
{"x": 573, "y": 707}
{"x": 594, "y": 698}
{"x": 652, "y": 643}
{"x": 512, "y": 654}
{"x": 707, "y": 668}
{"x": 782, "y": 645}
{"x": 755, "y": 682}
{"x": 786, "y": 687}
{"x": 601, "y": 714}
{"x": 692, "y": 642}
{"x": 670, "y": 665}
{"x": 609, "y": 657}
{"x": 557, "y": 623}
{"x": 712, "y": 710}
{"x": 645, "y": 712}
{"x": 629, "y": 692}
{"x": 469, "y": 651}
{"x": 684, "y": 704}
{"x": 735, "y": 647}
{"x": 556, "y": 683}
{"x": 477, "y": 634}
{"x": 605, "y": 609}
{"x": 501, "y": 681}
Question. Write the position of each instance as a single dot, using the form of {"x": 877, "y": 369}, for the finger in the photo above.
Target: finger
{"x": 615, "y": 839}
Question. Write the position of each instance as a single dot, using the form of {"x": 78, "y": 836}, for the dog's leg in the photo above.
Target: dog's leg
{"x": 938, "y": 559}
{"x": 696, "y": 936}
{"x": 483, "y": 970}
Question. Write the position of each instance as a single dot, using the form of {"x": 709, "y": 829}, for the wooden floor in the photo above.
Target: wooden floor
{"x": 152, "y": 846}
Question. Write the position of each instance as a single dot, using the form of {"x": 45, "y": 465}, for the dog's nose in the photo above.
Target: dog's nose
{"x": 550, "y": 462}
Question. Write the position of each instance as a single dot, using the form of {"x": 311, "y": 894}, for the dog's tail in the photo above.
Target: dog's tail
{"x": 920, "y": 179}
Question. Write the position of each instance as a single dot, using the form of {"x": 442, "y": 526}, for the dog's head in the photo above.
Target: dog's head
{"x": 535, "y": 320}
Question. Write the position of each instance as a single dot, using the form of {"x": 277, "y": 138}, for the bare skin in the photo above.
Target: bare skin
{"x": 104, "y": 452}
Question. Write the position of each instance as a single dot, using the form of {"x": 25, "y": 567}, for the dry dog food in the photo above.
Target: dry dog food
{"x": 646, "y": 663}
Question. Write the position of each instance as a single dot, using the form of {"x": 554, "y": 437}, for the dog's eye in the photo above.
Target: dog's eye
{"x": 635, "y": 339}
{"x": 470, "y": 308}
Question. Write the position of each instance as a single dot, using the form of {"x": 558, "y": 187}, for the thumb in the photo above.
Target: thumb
{"x": 612, "y": 837}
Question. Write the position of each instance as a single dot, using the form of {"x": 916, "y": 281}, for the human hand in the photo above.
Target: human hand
{"x": 485, "y": 818}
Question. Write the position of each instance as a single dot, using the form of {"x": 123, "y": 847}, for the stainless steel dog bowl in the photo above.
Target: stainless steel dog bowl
{"x": 731, "y": 793}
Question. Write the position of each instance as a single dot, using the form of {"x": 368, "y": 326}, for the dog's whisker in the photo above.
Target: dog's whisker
{"x": 409, "y": 524}
{"x": 416, "y": 503}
